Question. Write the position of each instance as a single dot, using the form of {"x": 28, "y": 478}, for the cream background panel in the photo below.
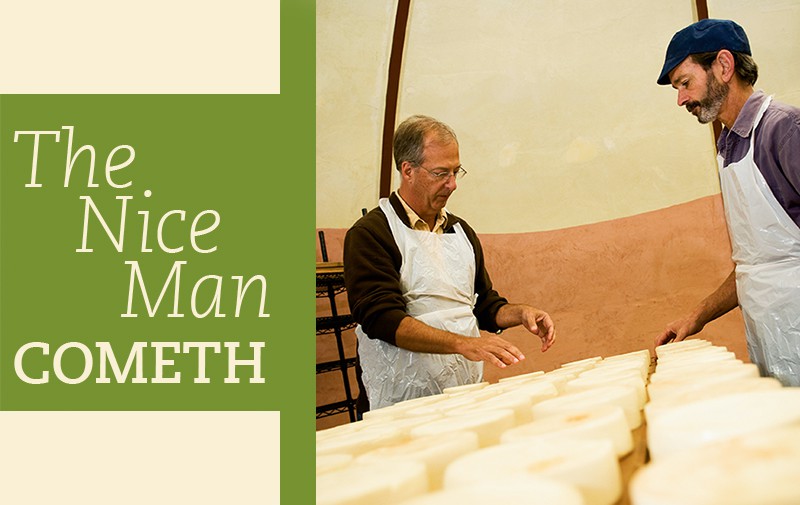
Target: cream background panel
{"x": 559, "y": 117}
{"x": 128, "y": 458}
{"x": 150, "y": 46}
{"x": 773, "y": 27}
{"x": 354, "y": 40}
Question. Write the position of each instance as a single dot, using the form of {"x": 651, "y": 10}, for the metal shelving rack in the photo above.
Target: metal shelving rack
{"x": 330, "y": 282}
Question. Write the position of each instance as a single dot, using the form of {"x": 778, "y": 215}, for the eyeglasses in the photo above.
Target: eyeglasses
{"x": 442, "y": 174}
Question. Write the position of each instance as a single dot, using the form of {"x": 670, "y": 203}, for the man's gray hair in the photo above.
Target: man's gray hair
{"x": 744, "y": 65}
{"x": 409, "y": 138}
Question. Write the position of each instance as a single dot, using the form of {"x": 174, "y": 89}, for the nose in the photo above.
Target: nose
{"x": 450, "y": 184}
{"x": 683, "y": 97}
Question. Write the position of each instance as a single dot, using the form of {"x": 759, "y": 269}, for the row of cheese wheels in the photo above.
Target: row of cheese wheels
{"x": 717, "y": 433}
{"x": 553, "y": 437}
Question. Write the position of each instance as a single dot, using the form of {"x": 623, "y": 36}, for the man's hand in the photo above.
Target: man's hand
{"x": 492, "y": 349}
{"x": 417, "y": 336}
{"x": 678, "y": 330}
{"x": 539, "y": 323}
{"x": 716, "y": 304}
{"x": 534, "y": 320}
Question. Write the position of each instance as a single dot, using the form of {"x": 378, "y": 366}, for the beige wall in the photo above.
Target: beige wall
{"x": 555, "y": 103}
{"x": 560, "y": 120}
{"x": 353, "y": 44}
{"x": 773, "y": 27}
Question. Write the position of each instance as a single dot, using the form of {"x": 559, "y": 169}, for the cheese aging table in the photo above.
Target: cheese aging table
{"x": 693, "y": 426}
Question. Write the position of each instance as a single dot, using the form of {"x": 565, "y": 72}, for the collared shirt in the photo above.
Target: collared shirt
{"x": 372, "y": 263}
{"x": 776, "y": 150}
{"x": 419, "y": 224}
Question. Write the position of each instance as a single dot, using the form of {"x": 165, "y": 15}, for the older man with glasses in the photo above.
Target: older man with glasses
{"x": 417, "y": 284}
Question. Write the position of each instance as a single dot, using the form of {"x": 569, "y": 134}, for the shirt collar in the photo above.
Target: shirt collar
{"x": 418, "y": 223}
{"x": 747, "y": 116}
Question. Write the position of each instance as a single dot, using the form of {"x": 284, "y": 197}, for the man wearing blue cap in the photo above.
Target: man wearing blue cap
{"x": 710, "y": 64}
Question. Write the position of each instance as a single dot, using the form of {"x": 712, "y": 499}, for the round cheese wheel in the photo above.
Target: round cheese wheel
{"x": 581, "y": 365}
{"x": 488, "y": 425}
{"x": 422, "y": 400}
{"x": 451, "y": 402}
{"x": 583, "y": 383}
{"x": 404, "y": 425}
{"x": 517, "y": 490}
{"x": 642, "y": 367}
{"x": 664, "y": 349}
{"x": 755, "y": 469}
{"x": 704, "y": 368}
{"x": 704, "y": 391}
{"x": 340, "y": 430}
{"x": 622, "y": 396}
{"x": 464, "y": 388}
{"x": 642, "y": 354}
{"x": 360, "y": 441}
{"x": 536, "y": 390}
{"x": 373, "y": 483}
{"x": 721, "y": 418}
{"x": 518, "y": 402}
{"x": 589, "y": 465}
{"x": 605, "y": 423}
{"x": 709, "y": 379}
{"x": 435, "y": 452}
{"x": 522, "y": 377}
{"x": 559, "y": 378}
{"x": 331, "y": 462}
{"x": 688, "y": 345}
{"x": 696, "y": 359}
{"x": 401, "y": 409}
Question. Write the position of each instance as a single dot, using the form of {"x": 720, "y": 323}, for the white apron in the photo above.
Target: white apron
{"x": 437, "y": 278}
{"x": 766, "y": 250}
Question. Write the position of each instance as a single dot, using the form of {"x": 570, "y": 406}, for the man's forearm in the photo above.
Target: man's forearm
{"x": 718, "y": 303}
{"x": 417, "y": 336}
{"x": 534, "y": 320}
{"x": 509, "y": 315}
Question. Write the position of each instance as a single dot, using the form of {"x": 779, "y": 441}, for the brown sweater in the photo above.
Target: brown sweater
{"x": 372, "y": 275}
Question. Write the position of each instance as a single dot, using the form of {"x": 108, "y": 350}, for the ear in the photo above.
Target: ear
{"x": 405, "y": 170}
{"x": 726, "y": 62}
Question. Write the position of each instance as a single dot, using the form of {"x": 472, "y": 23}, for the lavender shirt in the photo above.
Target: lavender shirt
{"x": 777, "y": 148}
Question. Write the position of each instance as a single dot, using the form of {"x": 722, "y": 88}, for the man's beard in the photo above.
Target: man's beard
{"x": 716, "y": 93}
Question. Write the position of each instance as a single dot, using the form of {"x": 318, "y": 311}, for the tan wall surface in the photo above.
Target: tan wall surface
{"x": 611, "y": 287}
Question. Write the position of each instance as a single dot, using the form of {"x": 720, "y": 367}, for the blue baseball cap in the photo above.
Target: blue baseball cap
{"x": 705, "y": 36}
